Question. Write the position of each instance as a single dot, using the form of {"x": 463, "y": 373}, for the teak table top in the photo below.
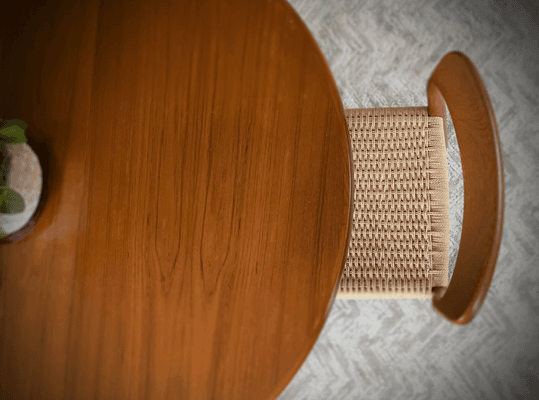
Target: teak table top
{"x": 198, "y": 205}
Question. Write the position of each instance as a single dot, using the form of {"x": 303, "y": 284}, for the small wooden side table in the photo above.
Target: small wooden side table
{"x": 198, "y": 205}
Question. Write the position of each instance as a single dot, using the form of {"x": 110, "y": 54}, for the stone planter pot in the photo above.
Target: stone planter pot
{"x": 25, "y": 176}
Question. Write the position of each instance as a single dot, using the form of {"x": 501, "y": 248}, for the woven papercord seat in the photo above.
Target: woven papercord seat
{"x": 399, "y": 218}
{"x": 399, "y": 241}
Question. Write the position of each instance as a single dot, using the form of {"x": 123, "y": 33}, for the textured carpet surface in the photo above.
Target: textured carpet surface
{"x": 381, "y": 54}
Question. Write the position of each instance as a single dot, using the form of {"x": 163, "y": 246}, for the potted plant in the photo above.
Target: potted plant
{"x": 11, "y": 202}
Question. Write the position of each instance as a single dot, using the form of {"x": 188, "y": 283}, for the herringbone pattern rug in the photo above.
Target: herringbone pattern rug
{"x": 381, "y": 54}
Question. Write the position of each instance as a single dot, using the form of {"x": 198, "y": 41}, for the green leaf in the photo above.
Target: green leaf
{"x": 11, "y": 202}
{"x": 3, "y": 234}
{"x": 13, "y": 131}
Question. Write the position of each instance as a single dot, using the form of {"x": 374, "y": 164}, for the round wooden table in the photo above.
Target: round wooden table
{"x": 198, "y": 199}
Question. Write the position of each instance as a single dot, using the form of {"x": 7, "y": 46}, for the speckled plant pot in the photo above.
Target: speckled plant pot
{"x": 25, "y": 176}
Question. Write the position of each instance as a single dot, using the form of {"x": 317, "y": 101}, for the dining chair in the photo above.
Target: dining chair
{"x": 399, "y": 239}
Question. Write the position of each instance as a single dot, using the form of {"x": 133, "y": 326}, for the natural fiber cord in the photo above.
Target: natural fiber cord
{"x": 399, "y": 241}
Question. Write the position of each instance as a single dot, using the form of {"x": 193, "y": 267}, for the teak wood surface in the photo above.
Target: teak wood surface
{"x": 198, "y": 199}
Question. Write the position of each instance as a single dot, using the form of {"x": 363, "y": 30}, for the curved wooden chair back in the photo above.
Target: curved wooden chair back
{"x": 457, "y": 83}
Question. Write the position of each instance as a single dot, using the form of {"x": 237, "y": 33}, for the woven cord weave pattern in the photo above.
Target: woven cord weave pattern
{"x": 399, "y": 242}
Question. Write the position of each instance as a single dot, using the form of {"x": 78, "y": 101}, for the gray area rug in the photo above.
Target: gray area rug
{"x": 381, "y": 54}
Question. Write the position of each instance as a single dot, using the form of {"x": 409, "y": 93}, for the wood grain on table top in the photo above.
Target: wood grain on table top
{"x": 198, "y": 205}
